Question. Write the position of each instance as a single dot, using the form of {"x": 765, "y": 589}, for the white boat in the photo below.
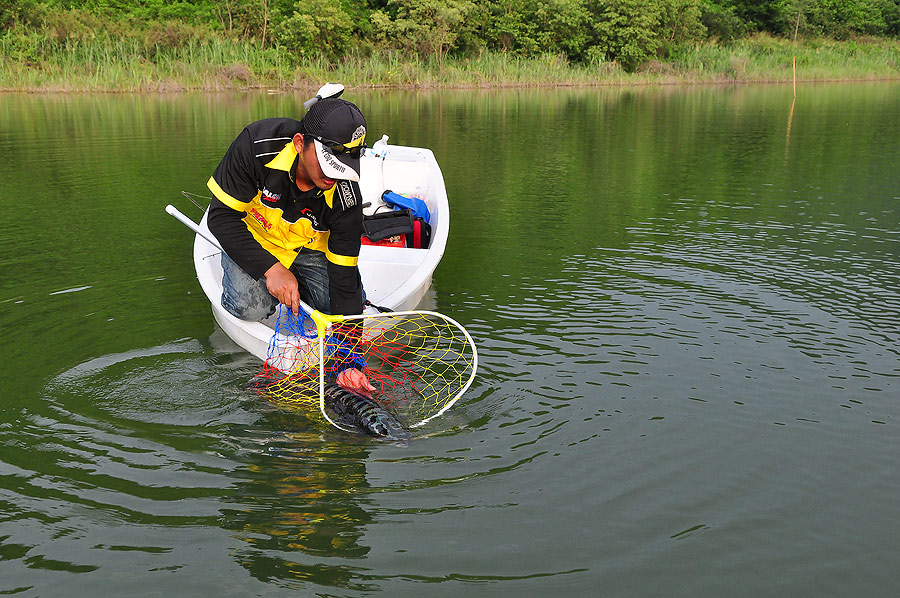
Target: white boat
{"x": 393, "y": 277}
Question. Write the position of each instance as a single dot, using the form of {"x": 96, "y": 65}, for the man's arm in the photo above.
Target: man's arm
{"x": 227, "y": 224}
{"x": 345, "y": 284}
{"x": 345, "y": 230}
{"x": 234, "y": 185}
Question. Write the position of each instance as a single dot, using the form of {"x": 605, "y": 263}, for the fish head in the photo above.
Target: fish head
{"x": 387, "y": 427}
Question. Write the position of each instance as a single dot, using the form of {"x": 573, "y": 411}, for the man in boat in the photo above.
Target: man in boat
{"x": 287, "y": 210}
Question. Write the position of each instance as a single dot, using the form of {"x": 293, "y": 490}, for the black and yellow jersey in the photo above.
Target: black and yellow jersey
{"x": 260, "y": 216}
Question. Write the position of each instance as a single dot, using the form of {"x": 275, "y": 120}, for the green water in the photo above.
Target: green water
{"x": 685, "y": 302}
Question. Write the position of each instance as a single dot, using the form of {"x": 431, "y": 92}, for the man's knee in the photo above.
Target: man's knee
{"x": 252, "y": 312}
{"x": 243, "y": 297}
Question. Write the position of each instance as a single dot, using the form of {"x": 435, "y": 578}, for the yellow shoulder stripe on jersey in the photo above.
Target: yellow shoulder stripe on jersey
{"x": 285, "y": 158}
{"x": 234, "y": 204}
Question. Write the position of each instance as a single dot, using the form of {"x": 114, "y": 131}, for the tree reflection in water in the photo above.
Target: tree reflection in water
{"x": 301, "y": 494}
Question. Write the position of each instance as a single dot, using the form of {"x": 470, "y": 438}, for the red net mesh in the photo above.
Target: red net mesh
{"x": 418, "y": 362}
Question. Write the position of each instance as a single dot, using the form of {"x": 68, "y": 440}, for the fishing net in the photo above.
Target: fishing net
{"x": 420, "y": 362}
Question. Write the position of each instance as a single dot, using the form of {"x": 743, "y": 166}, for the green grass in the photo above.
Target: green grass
{"x": 34, "y": 61}
{"x": 764, "y": 58}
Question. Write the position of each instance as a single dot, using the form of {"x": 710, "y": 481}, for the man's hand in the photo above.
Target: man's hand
{"x": 283, "y": 286}
{"x": 356, "y": 381}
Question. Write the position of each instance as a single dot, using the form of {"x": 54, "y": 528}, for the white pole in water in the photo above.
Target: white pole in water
{"x": 173, "y": 211}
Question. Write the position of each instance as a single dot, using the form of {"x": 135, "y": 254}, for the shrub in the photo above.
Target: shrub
{"x": 316, "y": 27}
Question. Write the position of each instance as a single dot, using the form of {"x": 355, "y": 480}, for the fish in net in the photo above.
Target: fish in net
{"x": 418, "y": 362}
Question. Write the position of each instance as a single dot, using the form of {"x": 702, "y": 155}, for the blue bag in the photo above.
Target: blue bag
{"x": 418, "y": 207}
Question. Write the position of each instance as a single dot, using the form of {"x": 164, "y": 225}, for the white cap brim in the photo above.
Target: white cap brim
{"x": 337, "y": 167}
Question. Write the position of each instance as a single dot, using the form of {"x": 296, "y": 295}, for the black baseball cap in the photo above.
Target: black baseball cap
{"x": 338, "y": 129}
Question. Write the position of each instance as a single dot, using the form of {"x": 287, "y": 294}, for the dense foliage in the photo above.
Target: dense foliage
{"x": 629, "y": 32}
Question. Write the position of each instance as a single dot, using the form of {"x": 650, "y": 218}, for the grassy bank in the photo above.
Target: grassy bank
{"x": 112, "y": 64}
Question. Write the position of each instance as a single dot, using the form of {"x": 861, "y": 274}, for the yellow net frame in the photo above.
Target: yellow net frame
{"x": 420, "y": 362}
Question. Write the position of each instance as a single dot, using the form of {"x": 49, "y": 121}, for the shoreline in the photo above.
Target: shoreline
{"x": 273, "y": 89}
{"x": 116, "y": 66}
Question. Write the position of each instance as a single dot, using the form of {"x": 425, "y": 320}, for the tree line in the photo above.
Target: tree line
{"x": 629, "y": 32}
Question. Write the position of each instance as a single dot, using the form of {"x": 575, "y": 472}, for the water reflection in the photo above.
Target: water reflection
{"x": 168, "y": 437}
{"x": 687, "y": 335}
{"x": 300, "y": 496}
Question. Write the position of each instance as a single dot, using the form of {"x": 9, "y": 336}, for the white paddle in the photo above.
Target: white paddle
{"x": 329, "y": 90}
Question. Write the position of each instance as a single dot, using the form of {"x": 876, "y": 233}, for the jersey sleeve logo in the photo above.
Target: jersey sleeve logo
{"x": 348, "y": 198}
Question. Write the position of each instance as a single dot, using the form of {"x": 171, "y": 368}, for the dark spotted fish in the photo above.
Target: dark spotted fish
{"x": 361, "y": 413}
